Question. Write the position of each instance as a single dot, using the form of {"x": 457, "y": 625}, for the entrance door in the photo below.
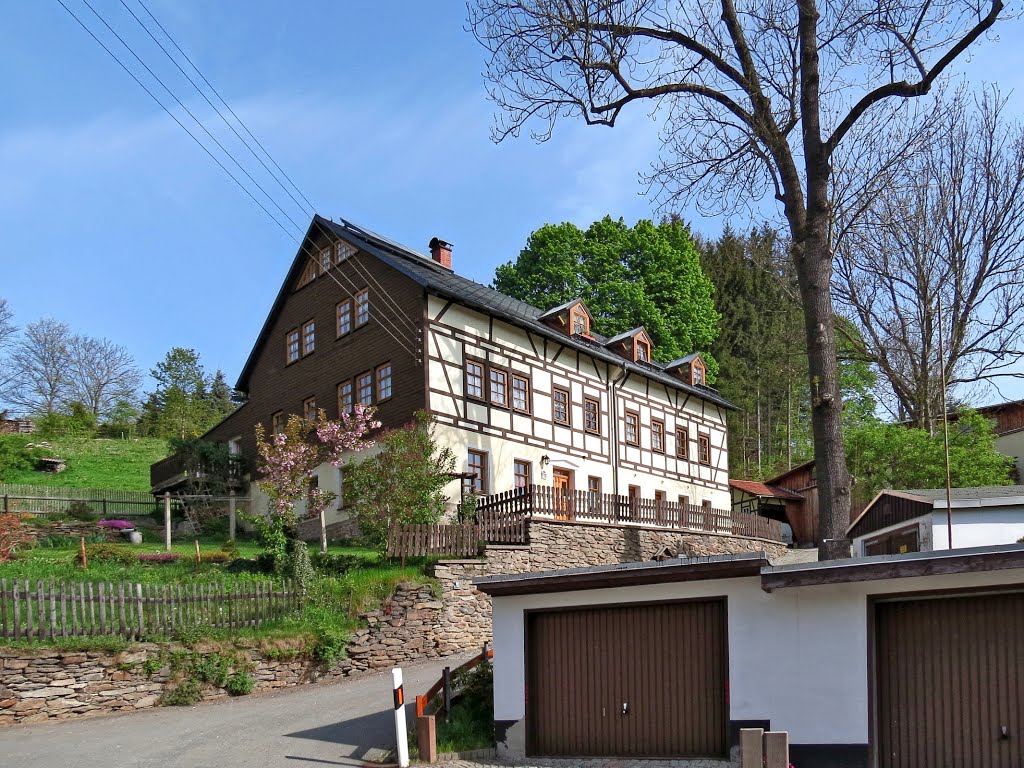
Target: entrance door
{"x": 563, "y": 493}
{"x": 628, "y": 681}
{"x": 949, "y": 682}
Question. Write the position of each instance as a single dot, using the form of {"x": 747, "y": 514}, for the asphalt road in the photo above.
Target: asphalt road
{"x": 347, "y": 723}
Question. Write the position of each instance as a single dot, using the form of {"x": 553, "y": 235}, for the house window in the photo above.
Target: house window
{"x": 309, "y": 409}
{"x": 362, "y": 307}
{"x": 520, "y": 393}
{"x": 499, "y": 387}
{"x": 342, "y": 251}
{"x": 643, "y": 351}
{"x": 682, "y": 443}
{"x": 594, "y": 490}
{"x": 308, "y": 337}
{"x": 632, "y": 428}
{"x": 704, "y": 449}
{"x": 344, "y": 314}
{"x": 310, "y": 272}
{"x": 383, "y": 382}
{"x": 474, "y": 379}
{"x": 659, "y": 500}
{"x": 658, "y": 435}
{"x": 345, "y": 399}
{"x": 580, "y": 322}
{"x": 364, "y": 388}
{"x": 325, "y": 258}
{"x": 697, "y": 374}
{"x": 560, "y": 398}
{"x": 521, "y": 473}
{"x": 478, "y": 466}
{"x": 277, "y": 423}
{"x": 684, "y": 504}
{"x": 592, "y": 415}
{"x": 292, "y": 346}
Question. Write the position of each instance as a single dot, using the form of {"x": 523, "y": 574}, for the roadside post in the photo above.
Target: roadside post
{"x": 401, "y": 734}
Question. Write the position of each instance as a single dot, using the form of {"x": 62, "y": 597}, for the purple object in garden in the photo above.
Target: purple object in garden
{"x": 162, "y": 557}
{"x": 117, "y": 525}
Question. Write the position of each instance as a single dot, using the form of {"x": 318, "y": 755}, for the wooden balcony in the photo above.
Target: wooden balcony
{"x": 506, "y": 511}
{"x": 170, "y": 475}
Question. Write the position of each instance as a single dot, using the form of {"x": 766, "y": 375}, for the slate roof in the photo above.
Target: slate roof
{"x": 423, "y": 270}
{"x": 968, "y": 494}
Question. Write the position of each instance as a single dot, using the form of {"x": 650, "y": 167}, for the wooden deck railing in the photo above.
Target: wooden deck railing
{"x": 540, "y": 501}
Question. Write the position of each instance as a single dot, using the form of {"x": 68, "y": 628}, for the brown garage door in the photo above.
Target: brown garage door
{"x": 949, "y": 677}
{"x": 643, "y": 681}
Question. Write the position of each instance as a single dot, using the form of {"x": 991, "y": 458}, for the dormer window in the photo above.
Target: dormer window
{"x": 641, "y": 351}
{"x": 691, "y": 369}
{"x": 580, "y": 322}
{"x": 698, "y": 374}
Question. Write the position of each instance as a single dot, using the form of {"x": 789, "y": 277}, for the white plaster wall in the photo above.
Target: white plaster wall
{"x": 797, "y": 657}
{"x": 978, "y": 527}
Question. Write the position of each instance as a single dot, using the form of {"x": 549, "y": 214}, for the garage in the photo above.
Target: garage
{"x": 646, "y": 680}
{"x": 949, "y": 681}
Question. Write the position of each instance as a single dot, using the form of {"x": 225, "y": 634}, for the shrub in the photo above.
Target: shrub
{"x": 338, "y": 564}
{"x": 240, "y": 683}
{"x": 13, "y": 535}
{"x": 185, "y": 694}
{"x": 230, "y": 547}
{"x": 214, "y": 558}
{"x": 17, "y": 454}
{"x": 213, "y": 669}
{"x": 108, "y": 553}
{"x": 161, "y": 557}
{"x": 299, "y": 566}
{"x": 81, "y": 511}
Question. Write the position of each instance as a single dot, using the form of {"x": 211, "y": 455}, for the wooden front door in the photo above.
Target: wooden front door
{"x": 563, "y": 493}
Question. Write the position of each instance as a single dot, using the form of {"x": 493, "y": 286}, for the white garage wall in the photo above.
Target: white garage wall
{"x": 797, "y": 657}
{"x": 978, "y": 527}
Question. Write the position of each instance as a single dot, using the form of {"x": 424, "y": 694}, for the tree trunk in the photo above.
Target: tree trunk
{"x": 814, "y": 263}
{"x": 323, "y": 531}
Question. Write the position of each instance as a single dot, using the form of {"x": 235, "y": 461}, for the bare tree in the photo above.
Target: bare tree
{"x": 102, "y": 373}
{"x": 8, "y": 331}
{"x": 41, "y": 361}
{"x": 944, "y": 237}
{"x": 755, "y": 99}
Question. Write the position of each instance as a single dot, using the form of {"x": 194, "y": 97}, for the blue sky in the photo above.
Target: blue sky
{"x": 113, "y": 220}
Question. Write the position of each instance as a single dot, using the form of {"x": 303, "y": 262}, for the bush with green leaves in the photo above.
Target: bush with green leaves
{"x": 239, "y": 684}
{"x": 336, "y": 563}
{"x": 108, "y": 553}
{"x": 299, "y": 566}
{"x": 81, "y": 511}
{"x": 186, "y": 693}
{"x": 18, "y": 454}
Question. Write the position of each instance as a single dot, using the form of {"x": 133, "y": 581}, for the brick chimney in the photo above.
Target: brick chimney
{"x": 441, "y": 252}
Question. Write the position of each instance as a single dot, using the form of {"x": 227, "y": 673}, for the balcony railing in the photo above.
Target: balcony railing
{"x": 171, "y": 474}
{"x": 541, "y": 501}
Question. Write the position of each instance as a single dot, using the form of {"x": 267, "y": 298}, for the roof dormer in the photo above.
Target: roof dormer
{"x": 691, "y": 369}
{"x": 634, "y": 345}
{"x": 572, "y": 318}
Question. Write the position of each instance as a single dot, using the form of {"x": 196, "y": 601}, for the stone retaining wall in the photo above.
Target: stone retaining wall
{"x": 61, "y": 685}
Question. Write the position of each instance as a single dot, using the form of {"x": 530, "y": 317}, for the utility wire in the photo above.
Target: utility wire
{"x": 381, "y": 316}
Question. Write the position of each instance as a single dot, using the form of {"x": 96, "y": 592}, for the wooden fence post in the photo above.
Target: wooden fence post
{"x": 167, "y": 521}
{"x": 751, "y": 747}
{"x": 776, "y": 749}
{"x": 446, "y": 675}
{"x": 426, "y": 738}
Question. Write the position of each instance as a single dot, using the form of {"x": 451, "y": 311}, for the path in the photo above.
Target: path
{"x": 345, "y": 723}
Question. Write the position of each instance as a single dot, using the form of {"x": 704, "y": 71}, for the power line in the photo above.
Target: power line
{"x": 381, "y": 316}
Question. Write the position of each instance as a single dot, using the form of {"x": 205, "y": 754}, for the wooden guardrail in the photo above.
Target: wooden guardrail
{"x": 461, "y": 540}
{"x": 45, "y": 610}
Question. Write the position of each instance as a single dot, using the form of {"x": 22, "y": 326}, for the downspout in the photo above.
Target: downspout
{"x": 613, "y": 425}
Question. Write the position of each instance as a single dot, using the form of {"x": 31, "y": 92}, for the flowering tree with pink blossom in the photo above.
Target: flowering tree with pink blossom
{"x": 287, "y": 465}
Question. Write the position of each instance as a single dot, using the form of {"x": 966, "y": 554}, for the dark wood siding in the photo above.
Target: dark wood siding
{"x": 667, "y": 662}
{"x": 275, "y": 386}
{"x": 949, "y": 676}
{"x": 890, "y": 510}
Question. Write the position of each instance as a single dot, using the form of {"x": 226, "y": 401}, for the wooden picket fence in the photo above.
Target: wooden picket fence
{"x": 422, "y": 540}
{"x": 47, "y": 610}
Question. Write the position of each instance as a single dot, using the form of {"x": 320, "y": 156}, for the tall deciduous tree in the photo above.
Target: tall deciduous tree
{"x": 41, "y": 361}
{"x": 645, "y": 275}
{"x": 101, "y": 373}
{"x": 7, "y": 333}
{"x": 757, "y": 98}
{"x": 942, "y": 247}
{"x": 186, "y": 401}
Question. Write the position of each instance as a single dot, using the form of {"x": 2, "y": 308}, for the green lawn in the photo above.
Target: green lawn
{"x": 95, "y": 462}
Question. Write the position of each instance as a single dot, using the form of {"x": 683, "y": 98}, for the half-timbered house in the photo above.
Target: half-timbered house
{"x": 523, "y": 395}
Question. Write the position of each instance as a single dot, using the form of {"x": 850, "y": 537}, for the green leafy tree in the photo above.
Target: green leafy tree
{"x": 220, "y": 397}
{"x": 401, "y": 484}
{"x": 186, "y": 402}
{"x": 646, "y": 275}
{"x": 897, "y": 456}
{"x": 79, "y": 421}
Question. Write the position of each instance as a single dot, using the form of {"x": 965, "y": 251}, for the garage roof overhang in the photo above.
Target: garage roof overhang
{"x": 973, "y": 560}
{"x": 625, "y": 575}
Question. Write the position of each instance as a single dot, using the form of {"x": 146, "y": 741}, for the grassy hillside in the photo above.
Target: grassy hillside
{"x": 92, "y": 463}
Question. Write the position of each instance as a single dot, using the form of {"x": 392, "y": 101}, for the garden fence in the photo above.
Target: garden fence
{"x": 47, "y": 610}
{"x": 55, "y": 499}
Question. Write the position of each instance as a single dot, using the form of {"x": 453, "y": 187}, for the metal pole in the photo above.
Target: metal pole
{"x": 231, "y": 515}
{"x": 167, "y": 521}
{"x": 401, "y": 733}
{"x": 945, "y": 431}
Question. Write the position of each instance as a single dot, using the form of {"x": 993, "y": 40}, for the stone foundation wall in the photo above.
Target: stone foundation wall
{"x": 404, "y": 630}
{"x": 61, "y": 685}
